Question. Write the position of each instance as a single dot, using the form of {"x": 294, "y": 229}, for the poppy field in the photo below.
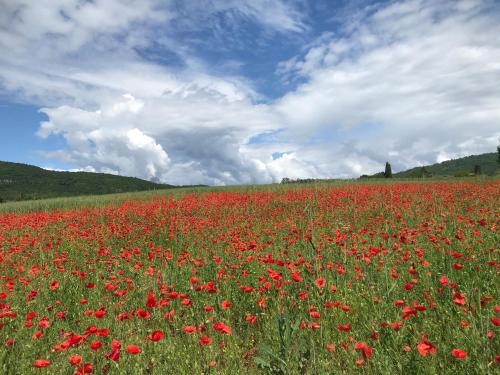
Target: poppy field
{"x": 355, "y": 278}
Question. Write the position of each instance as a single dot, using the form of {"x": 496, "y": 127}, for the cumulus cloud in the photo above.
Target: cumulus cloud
{"x": 182, "y": 136}
{"x": 95, "y": 140}
{"x": 412, "y": 82}
{"x": 422, "y": 72}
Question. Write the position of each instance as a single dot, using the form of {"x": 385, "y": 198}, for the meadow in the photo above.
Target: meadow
{"x": 345, "y": 278}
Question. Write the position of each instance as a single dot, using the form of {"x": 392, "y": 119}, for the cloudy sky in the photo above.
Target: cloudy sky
{"x": 247, "y": 91}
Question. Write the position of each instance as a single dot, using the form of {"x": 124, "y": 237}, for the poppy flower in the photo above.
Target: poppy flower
{"x": 143, "y": 314}
{"x": 366, "y": 350}
{"x": 75, "y": 359}
{"x": 115, "y": 344}
{"x": 344, "y": 327}
{"x": 85, "y": 369}
{"x": 133, "y": 349}
{"x": 189, "y": 329}
{"x": 459, "y": 353}
{"x": 495, "y": 321}
{"x": 151, "y": 299}
{"x": 221, "y": 327}
{"x": 94, "y": 345}
{"x": 314, "y": 314}
{"x": 205, "y": 340}
{"x": 425, "y": 347}
{"x": 156, "y": 336}
{"x": 443, "y": 280}
{"x": 320, "y": 282}
{"x": 114, "y": 355}
{"x": 40, "y": 363}
{"x": 54, "y": 285}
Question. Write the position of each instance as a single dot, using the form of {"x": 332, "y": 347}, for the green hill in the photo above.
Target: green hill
{"x": 24, "y": 182}
{"x": 456, "y": 167}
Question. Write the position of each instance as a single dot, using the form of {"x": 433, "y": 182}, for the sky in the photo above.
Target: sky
{"x": 224, "y": 92}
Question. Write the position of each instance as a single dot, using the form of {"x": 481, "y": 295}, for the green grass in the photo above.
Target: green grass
{"x": 368, "y": 240}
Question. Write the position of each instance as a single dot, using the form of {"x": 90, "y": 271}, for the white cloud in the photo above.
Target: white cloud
{"x": 200, "y": 130}
{"x": 425, "y": 72}
{"x": 412, "y": 82}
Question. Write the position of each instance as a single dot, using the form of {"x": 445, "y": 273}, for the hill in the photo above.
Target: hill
{"x": 24, "y": 182}
{"x": 455, "y": 167}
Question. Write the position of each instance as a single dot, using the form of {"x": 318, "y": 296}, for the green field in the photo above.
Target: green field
{"x": 344, "y": 277}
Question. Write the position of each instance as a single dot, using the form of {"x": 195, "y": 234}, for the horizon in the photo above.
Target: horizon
{"x": 244, "y": 92}
{"x": 154, "y": 180}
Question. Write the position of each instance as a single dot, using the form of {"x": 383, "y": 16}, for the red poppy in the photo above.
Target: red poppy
{"x": 54, "y": 285}
{"x": 495, "y": 321}
{"x": 75, "y": 359}
{"x": 40, "y": 363}
{"x": 314, "y": 314}
{"x": 459, "y": 353}
{"x": 366, "y": 350}
{"x": 151, "y": 299}
{"x": 344, "y": 327}
{"x": 94, "y": 345}
{"x": 221, "y": 327}
{"x": 205, "y": 340}
{"x": 320, "y": 282}
{"x": 115, "y": 344}
{"x": 156, "y": 336}
{"x": 84, "y": 369}
{"x": 425, "y": 347}
{"x": 133, "y": 349}
{"x": 189, "y": 329}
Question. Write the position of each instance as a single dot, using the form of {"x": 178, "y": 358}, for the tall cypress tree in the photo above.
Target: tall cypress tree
{"x": 388, "y": 170}
{"x": 477, "y": 169}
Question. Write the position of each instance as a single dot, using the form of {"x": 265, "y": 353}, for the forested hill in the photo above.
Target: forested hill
{"x": 465, "y": 166}
{"x": 22, "y": 182}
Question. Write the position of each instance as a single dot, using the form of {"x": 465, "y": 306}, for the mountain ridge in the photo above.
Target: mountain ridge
{"x": 19, "y": 181}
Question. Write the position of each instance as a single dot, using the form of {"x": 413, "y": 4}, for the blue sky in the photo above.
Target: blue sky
{"x": 240, "y": 91}
{"x": 19, "y": 142}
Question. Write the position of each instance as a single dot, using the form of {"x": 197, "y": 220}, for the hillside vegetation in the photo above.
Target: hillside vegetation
{"x": 25, "y": 182}
{"x": 456, "y": 167}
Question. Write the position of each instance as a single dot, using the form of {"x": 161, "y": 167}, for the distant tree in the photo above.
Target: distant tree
{"x": 498, "y": 154}
{"x": 388, "y": 170}
{"x": 1, "y": 200}
{"x": 285, "y": 180}
{"x": 477, "y": 169}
